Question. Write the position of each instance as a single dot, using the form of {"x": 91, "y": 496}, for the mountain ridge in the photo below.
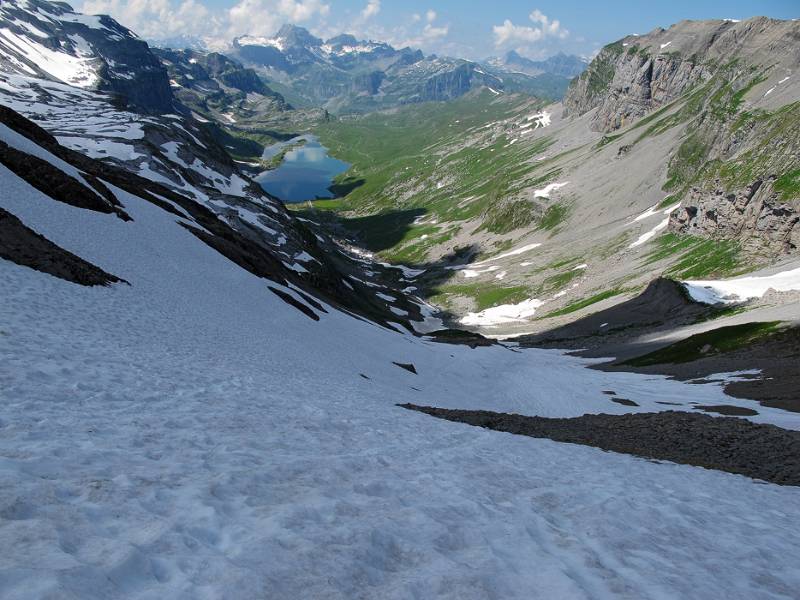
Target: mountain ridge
{"x": 86, "y": 51}
{"x": 657, "y": 163}
{"x": 344, "y": 74}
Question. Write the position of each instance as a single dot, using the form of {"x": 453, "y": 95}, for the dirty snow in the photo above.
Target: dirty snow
{"x": 541, "y": 119}
{"x": 472, "y": 273}
{"x": 515, "y": 252}
{"x": 654, "y": 210}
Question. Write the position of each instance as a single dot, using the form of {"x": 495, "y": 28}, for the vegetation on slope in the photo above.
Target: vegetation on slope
{"x": 716, "y": 341}
{"x": 435, "y": 167}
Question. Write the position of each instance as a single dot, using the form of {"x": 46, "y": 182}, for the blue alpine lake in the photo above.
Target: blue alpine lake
{"x": 306, "y": 172}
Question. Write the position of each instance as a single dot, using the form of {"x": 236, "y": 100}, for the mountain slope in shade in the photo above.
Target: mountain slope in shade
{"x": 49, "y": 40}
{"x": 175, "y": 156}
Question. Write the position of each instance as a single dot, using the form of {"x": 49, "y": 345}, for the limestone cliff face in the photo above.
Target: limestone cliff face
{"x": 732, "y": 91}
{"x": 626, "y": 85}
{"x": 638, "y": 74}
{"x": 755, "y": 216}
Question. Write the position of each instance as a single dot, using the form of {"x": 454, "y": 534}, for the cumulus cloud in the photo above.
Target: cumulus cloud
{"x": 431, "y": 33}
{"x": 164, "y": 19}
{"x": 509, "y": 33}
{"x": 372, "y": 8}
{"x": 427, "y": 37}
{"x": 149, "y": 18}
{"x": 157, "y": 19}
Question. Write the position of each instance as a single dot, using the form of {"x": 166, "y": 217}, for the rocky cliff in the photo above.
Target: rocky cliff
{"x": 217, "y": 87}
{"x": 731, "y": 91}
{"x": 637, "y": 74}
{"x": 50, "y": 40}
{"x": 755, "y": 216}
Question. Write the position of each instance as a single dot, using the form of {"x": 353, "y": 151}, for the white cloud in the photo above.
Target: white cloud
{"x": 149, "y": 18}
{"x": 372, "y": 8}
{"x": 428, "y": 37}
{"x": 431, "y": 33}
{"x": 552, "y": 28}
{"x": 165, "y": 18}
{"x": 509, "y": 33}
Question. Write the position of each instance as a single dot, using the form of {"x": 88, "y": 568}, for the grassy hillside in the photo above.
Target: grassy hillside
{"x": 420, "y": 173}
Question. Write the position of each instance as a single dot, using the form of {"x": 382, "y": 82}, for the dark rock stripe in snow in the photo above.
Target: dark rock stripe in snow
{"x": 25, "y": 247}
{"x": 54, "y": 182}
{"x": 294, "y": 302}
{"x": 727, "y": 444}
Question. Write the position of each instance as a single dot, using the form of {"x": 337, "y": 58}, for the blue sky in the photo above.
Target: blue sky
{"x": 468, "y": 29}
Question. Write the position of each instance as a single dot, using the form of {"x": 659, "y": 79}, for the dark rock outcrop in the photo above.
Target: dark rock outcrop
{"x": 664, "y": 304}
{"x": 57, "y": 184}
{"x": 727, "y": 444}
{"x": 115, "y": 60}
{"x": 23, "y": 246}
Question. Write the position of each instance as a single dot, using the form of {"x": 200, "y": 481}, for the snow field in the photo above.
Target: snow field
{"x": 174, "y": 439}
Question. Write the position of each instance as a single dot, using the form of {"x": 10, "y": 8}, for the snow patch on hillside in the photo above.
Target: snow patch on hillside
{"x": 541, "y": 119}
{"x": 74, "y": 70}
{"x": 549, "y": 189}
{"x": 506, "y": 313}
{"x": 731, "y": 291}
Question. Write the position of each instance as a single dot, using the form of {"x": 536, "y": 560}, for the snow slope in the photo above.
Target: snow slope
{"x": 172, "y": 439}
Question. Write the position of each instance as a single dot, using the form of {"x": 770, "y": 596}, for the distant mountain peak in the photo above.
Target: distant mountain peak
{"x": 344, "y": 39}
{"x": 561, "y": 64}
{"x": 294, "y": 35}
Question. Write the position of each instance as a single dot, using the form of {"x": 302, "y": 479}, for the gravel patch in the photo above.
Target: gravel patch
{"x": 728, "y": 444}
